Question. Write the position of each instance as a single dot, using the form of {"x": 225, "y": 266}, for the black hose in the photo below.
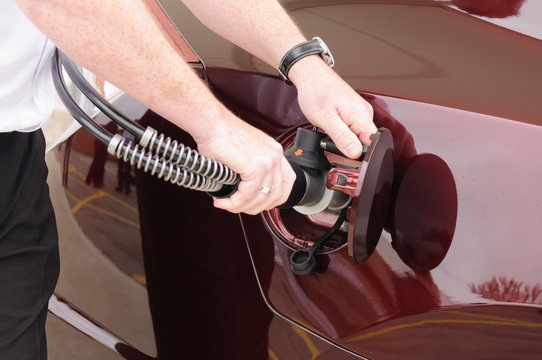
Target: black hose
{"x": 86, "y": 121}
{"x": 90, "y": 93}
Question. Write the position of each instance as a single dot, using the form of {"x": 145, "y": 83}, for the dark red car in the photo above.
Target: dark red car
{"x": 456, "y": 273}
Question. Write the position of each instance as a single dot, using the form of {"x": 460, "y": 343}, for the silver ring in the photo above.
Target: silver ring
{"x": 265, "y": 189}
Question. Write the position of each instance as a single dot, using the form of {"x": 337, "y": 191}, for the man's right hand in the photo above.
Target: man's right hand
{"x": 256, "y": 157}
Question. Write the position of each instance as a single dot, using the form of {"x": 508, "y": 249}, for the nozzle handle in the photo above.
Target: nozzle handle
{"x": 299, "y": 188}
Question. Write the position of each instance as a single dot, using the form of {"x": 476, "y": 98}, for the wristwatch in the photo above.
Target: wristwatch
{"x": 298, "y": 52}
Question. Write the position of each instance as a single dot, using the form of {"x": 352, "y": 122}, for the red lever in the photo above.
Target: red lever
{"x": 344, "y": 180}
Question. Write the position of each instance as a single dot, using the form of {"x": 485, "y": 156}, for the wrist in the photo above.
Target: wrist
{"x": 206, "y": 120}
{"x": 214, "y": 125}
{"x": 307, "y": 68}
{"x": 301, "y": 51}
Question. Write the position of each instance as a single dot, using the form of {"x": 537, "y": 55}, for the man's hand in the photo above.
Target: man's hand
{"x": 256, "y": 157}
{"x": 326, "y": 100}
{"x": 331, "y": 104}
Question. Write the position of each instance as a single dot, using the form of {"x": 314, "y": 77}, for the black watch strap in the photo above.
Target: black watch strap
{"x": 298, "y": 52}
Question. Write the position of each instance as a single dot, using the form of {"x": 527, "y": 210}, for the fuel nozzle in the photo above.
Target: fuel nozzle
{"x": 307, "y": 151}
{"x": 309, "y": 194}
{"x": 360, "y": 194}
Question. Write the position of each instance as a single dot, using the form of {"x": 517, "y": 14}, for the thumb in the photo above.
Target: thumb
{"x": 347, "y": 142}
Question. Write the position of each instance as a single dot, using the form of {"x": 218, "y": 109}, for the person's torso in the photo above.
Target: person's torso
{"x": 26, "y": 88}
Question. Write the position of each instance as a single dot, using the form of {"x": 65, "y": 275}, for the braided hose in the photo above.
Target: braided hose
{"x": 187, "y": 158}
{"x": 128, "y": 152}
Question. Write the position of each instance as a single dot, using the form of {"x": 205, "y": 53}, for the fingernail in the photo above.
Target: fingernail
{"x": 353, "y": 149}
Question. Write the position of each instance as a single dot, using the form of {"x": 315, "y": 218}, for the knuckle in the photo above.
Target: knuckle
{"x": 276, "y": 156}
{"x": 285, "y": 195}
{"x": 276, "y": 147}
{"x": 266, "y": 163}
{"x": 368, "y": 109}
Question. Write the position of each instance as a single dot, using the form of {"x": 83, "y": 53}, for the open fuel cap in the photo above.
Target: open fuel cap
{"x": 425, "y": 213}
{"x": 371, "y": 198}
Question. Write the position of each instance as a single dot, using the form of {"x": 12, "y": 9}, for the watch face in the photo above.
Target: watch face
{"x": 326, "y": 55}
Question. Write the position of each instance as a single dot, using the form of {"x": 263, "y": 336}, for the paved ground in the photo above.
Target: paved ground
{"x": 100, "y": 257}
{"x": 109, "y": 218}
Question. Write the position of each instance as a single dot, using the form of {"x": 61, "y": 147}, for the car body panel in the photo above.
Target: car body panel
{"x": 430, "y": 59}
{"x": 342, "y": 300}
{"x": 424, "y": 50}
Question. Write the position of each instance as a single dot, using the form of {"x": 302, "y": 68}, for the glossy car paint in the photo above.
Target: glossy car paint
{"x": 430, "y": 59}
{"x": 343, "y": 300}
{"x": 460, "y": 93}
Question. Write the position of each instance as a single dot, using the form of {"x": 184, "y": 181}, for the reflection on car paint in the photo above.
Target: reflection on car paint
{"x": 509, "y": 290}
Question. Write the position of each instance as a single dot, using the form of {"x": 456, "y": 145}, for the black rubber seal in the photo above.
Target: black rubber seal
{"x": 303, "y": 261}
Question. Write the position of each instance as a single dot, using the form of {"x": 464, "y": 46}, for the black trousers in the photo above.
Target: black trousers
{"x": 29, "y": 260}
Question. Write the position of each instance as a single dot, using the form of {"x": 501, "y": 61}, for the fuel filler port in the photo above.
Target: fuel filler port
{"x": 335, "y": 200}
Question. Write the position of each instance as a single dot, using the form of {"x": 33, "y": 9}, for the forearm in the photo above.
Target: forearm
{"x": 261, "y": 27}
{"x": 119, "y": 41}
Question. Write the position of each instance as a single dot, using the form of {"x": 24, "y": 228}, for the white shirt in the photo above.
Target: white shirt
{"x": 26, "y": 86}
